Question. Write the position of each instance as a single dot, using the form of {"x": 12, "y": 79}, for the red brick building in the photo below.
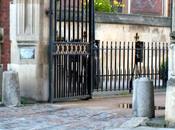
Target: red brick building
{"x": 5, "y": 25}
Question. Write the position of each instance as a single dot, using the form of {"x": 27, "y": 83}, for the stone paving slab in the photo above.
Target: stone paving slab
{"x": 143, "y": 128}
{"x": 56, "y": 117}
{"x": 96, "y": 114}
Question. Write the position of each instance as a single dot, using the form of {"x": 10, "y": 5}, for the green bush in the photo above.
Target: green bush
{"x": 102, "y": 6}
{"x": 164, "y": 71}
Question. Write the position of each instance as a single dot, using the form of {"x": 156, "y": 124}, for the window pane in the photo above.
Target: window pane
{"x": 151, "y": 7}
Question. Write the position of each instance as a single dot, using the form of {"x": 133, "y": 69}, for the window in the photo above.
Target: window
{"x": 145, "y": 7}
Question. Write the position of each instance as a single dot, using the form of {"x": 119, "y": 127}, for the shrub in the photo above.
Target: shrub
{"x": 102, "y": 6}
{"x": 117, "y": 6}
{"x": 164, "y": 71}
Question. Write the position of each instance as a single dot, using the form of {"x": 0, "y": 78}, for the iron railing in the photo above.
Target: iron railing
{"x": 116, "y": 65}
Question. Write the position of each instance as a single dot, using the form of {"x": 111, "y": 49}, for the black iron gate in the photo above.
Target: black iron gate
{"x": 71, "y": 38}
{"x": 79, "y": 65}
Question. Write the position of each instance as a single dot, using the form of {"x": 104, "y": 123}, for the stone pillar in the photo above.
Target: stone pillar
{"x": 29, "y": 29}
{"x": 170, "y": 92}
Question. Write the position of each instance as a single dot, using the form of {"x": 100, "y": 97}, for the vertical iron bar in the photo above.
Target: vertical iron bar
{"x": 115, "y": 66}
{"x": 156, "y": 65}
{"x": 69, "y": 22}
{"x": 123, "y": 65}
{"x": 163, "y": 64}
{"x": 78, "y": 13}
{"x": 106, "y": 66}
{"x": 159, "y": 62}
{"x": 63, "y": 76}
{"x": 119, "y": 63}
{"x": 152, "y": 71}
{"x": 91, "y": 40}
{"x": 132, "y": 68}
{"x": 86, "y": 77}
{"x": 111, "y": 73}
{"x": 87, "y": 18}
{"x": 59, "y": 86}
{"x": 148, "y": 61}
{"x": 82, "y": 19}
{"x": 144, "y": 59}
{"x": 60, "y": 19}
{"x": 73, "y": 20}
{"x": 79, "y": 90}
{"x": 166, "y": 70}
{"x": 128, "y": 66}
{"x": 65, "y": 20}
{"x": 102, "y": 53}
{"x": 74, "y": 76}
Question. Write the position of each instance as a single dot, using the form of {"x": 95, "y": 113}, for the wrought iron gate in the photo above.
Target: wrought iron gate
{"x": 71, "y": 38}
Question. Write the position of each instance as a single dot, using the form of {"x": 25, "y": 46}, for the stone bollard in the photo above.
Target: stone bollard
{"x": 143, "y": 98}
{"x": 10, "y": 89}
{"x": 170, "y": 103}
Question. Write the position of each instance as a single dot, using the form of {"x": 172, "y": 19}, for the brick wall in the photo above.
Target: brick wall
{"x": 5, "y": 24}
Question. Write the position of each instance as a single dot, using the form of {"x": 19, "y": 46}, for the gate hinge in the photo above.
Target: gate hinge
{"x": 49, "y": 12}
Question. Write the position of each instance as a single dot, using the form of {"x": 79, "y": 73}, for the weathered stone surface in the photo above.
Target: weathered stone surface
{"x": 170, "y": 102}
{"x": 171, "y": 63}
{"x": 134, "y": 122}
{"x": 170, "y": 91}
{"x": 143, "y": 98}
{"x": 10, "y": 89}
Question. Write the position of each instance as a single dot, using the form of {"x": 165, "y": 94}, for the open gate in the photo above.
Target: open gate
{"x": 71, "y": 40}
{"x": 80, "y": 65}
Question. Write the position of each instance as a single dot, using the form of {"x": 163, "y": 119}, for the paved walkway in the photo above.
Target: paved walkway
{"x": 144, "y": 128}
{"x": 95, "y": 114}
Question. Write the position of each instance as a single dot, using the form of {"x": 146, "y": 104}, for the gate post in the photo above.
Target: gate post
{"x": 170, "y": 92}
{"x": 29, "y": 25}
{"x": 92, "y": 41}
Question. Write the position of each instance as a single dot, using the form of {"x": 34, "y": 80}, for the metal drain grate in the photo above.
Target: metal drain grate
{"x": 129, "y": 106}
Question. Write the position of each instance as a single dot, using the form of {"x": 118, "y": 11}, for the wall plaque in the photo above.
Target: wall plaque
{"x": 27, "y": 53}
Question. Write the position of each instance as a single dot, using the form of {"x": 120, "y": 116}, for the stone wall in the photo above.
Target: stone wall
{"x": 125, "y": 32}
{"x": 29, "y": 46}
{"x": 122, "y": 27}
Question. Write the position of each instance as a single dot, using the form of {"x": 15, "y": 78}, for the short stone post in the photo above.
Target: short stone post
{"x": 170, "y": 103}
{"x": 10, "y": 89}
{"x": 143, "y": 98}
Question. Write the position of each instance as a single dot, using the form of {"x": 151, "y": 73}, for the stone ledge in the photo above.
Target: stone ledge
{"x": 133, "y": 19}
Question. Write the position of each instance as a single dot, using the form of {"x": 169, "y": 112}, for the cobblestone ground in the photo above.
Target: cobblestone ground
{"x": 96, "y": 114}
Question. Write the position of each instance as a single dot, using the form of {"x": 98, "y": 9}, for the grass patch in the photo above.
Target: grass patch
{"x": 27, "y": 101}
{"x": 24, "y": 101}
